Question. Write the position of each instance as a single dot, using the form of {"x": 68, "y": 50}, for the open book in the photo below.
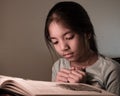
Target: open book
{"x": 26, "y": 87}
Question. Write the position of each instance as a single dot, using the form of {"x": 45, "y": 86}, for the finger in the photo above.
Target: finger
{"x": 77, "y": 72}
{"x": 62, "y": 79}
{"x": 80, "y": 68}
{"x": 62, "y": 74}
{"x": 72, "y": 68}
{"x": 75, "y": 76}
{"x": 71, "y": 80}
{"x": 67, "y": 71}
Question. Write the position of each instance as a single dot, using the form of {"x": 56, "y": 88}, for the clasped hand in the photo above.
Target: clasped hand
{"x": 73, "y": 75}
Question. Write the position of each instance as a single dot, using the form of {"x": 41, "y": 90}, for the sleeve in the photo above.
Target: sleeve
{"x": 55, "y": 69}
{"x": 113, "y": 79}
{"x": 53, "y": 73}
{"x": 61, "y": 63}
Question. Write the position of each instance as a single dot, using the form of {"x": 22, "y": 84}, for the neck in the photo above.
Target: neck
{"x": 89, "y": 59}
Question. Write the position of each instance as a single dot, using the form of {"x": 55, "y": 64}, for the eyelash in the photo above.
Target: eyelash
{"x": 68, "y": 38}
{"x": 55, "y": 42}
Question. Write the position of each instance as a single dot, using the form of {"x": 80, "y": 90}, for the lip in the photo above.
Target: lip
{"x": 68, "y": 55}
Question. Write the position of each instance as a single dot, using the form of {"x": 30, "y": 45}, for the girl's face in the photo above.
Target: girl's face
{"x": 67, "y": 43}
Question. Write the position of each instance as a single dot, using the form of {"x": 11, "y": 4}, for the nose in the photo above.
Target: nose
{"x": 64, "y": 46}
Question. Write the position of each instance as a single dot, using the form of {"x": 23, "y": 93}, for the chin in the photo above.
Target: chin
{"x": 71, "y": 59}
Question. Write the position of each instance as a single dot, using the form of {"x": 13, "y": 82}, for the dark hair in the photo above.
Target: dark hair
{"x": 73, "y": 16}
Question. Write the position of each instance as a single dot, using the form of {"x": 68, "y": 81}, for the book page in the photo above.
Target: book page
{"x": 41, "y": 88}
{"x": 66, "y": 89}
{"x": 16, "y": 85}
{"x": 79, "y": 87}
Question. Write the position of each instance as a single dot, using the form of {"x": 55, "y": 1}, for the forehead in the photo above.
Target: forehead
{"x": 57, "y": 29}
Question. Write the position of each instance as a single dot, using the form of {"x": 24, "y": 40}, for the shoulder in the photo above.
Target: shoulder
{"x": 109, "y": 67}
{"x": 107, "y": 62}
{"x": 104, "y": 65}
{"x": 111, "y": 71}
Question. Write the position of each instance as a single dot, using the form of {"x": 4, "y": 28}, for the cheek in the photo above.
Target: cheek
{"x": 77, "y": 46}
{"x": 57, "y": 49}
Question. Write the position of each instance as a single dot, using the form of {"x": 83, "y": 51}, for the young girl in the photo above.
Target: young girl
{"x": 70, "y": 32}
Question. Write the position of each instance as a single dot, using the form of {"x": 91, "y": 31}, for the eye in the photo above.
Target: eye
{"x": 69, "y": 36}
{"x": 54, "y": 41}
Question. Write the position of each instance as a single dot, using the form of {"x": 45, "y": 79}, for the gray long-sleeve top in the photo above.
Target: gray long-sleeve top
{"x": 104, "y": 73}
